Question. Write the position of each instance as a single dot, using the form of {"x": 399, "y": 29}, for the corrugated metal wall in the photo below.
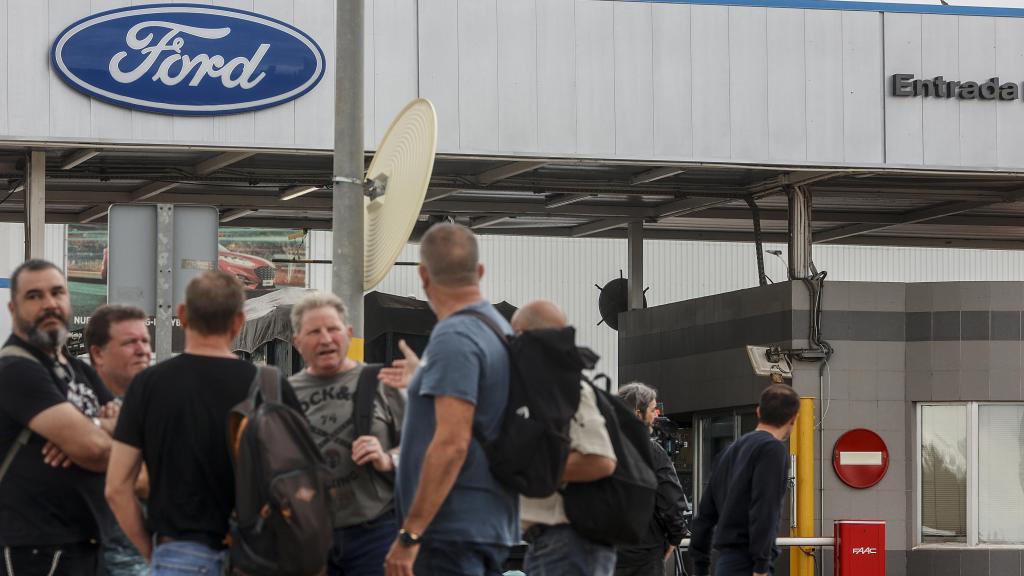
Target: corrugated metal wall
{"x": 12, "y": 253}
{"x": 565, "y": 270}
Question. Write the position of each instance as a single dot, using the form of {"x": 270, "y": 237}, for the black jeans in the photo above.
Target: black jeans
{"x": 735, "y": 563}
{"x": 67, "y": 560}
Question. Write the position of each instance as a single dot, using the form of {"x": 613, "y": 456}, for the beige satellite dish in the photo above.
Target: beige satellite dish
{"x": 396, "y": 187}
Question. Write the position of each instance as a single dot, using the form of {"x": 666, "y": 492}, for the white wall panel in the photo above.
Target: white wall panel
{"x": 69, "y": 109}
{"x": 977, "y": 117}
{"x": 478, "y": 75}
{"x": 5, "y": 50}
{"x": 556, "y": 75}
{"x": 28, "y": 90}
{"x": 1010, "y": 66}
{"x": 193, "y": 128}
{"x": 941, "y": 116}
{"x": 823, "y": 31}
{"x": 709, "y": 49}
{"x": 370, "y": 71}
{"x": 748, "y": 83}
{"x": 314, "y": 112}
{"x": 786, "y": 70}
{"x": 634, "y": 79}
{"x": 394, "y": 44}
{"x": 673, "y": 120}
{"x": 862, "y": 87}
{"x": 236, "y": 127}
{"x": 904, "y": 129}
{"x": 277, "y": 124}
{"x": 439, "y": 67}
{"x": 595, "y": 78}
{"x": 517, "y": 75}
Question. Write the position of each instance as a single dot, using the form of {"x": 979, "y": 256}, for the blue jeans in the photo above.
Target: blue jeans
{"x": 561, "y": 551}
{"x": 120, "y": 558}
{"x": 360, "y": 550}
{"x": 736, "y": 563}
{"x": 184, "y": 558}
{"x": 446, "y": 558}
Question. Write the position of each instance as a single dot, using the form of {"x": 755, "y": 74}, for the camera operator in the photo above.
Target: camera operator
{"x": 668, "y": 526}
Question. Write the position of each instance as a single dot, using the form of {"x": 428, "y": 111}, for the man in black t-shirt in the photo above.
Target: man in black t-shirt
{"x": 174, "y": 419}
{"x": 52, "y": 512}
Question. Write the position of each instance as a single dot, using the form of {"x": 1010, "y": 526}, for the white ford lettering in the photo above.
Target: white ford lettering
{"x": 237, "y": 72}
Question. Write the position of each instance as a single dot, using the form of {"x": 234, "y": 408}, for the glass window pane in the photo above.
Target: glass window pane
{"x": 1001, "y": 474}
{"x": 943, "y": 474}
{"x": 717, "y": 432}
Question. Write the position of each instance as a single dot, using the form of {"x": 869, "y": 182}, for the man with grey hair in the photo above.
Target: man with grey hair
{"x": 55, "y": 436}
{"x": 363, "y": 467}
{"x": 456, "y": 516}
{"x": 668, "y": 525}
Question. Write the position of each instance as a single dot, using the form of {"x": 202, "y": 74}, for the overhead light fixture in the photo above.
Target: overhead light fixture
{"x": 296, "y": 191}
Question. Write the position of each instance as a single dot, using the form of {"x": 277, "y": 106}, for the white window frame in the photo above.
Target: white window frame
{"x": 973, "y": 477}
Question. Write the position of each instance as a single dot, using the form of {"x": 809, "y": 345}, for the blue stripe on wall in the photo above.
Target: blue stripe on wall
{"x": 5, "y": 282}
{"x": 856, "y": 6}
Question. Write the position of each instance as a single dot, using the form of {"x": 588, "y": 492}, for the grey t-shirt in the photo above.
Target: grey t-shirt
{"x": 360, "y": 492}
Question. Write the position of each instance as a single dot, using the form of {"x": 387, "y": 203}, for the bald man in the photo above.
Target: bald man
{"x": 556, "y": 549}
{"x": 456, "y": 518}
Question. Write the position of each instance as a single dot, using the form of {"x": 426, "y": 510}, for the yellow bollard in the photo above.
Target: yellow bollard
{"x": 801, "y": 443}
{"x": 355, "y": 349}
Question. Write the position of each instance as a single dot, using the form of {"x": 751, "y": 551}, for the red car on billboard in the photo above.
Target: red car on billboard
{"x": 253, "y": 272}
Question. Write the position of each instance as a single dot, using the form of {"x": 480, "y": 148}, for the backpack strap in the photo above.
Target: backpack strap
{"x": 366, "y": 396}
{"x": 269, "y": 381}
{"x": 15, "y": 351}
{"x": 488, "y": 321}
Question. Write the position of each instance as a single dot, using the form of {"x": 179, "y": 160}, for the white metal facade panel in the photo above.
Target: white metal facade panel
{"x": 863, "y": 87}
{"x": 673, "y": 120}
{"x": 478, "y": 75}
{"x": 1010, "y": 66}
{"x": 517, "y": 75}
{"x": 394, "y": 44}
{"x": 978, "y": 117}
{"x": 709, "y": 53}
{"x": 903, "y": 119}
{"x": 634, "y": 79}
{"x": 69, "y": 112}
{"x": 236, "y": 127}
{"x": 787, "y": 92}
{"x": 314, "y": 112}
{"x": 824, "y": 33}
{"x": 941, "y": 116}
{"x": 556, "y": 76}
{"x": 276, "y": 124}
{"x": 748, "y": 83}
{"x": 595, "y": 78}
{"x": 28, "y": 93}
{"x": 439, "y": 67}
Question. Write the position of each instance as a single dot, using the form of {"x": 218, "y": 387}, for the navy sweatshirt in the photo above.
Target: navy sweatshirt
{"x": 743, "y": 499}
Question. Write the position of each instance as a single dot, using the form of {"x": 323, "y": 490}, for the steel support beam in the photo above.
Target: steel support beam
{"x": 635, "y": 247}
{"x": 439, "y": 193}
{"x": 687, "y": 206}
{"x": 507, "y": 171}
{"x": 232, "y": 215}
{"x": 799, "y": 233}
{"x": 560, "y": 200}
{"x": 598, "y": 226}
{"x": 207, "y": 167}
{"x": 94, "y": 213}
{"x": 913, "y": 217}
{"x": 79, "y": 157}
{"x": 35, "y": 205}
{"x": 655, "y": 174}
{"x": 164, "y": 281}
{"x": 348, "y": 251}
{"x": 150, "y": 190}
{"x": 485, "y": 221}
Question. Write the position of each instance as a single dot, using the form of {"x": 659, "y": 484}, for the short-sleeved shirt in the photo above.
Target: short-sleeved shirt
{"x": 464, "y": 359}
{"x": 588, "y": 435}
{"x": 176, "y": 413}
{"x": 360, "y": 493}
{"x": 39, "y": 504}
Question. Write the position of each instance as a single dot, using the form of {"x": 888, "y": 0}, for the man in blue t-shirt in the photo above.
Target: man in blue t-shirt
{"x": 456, "y": 517}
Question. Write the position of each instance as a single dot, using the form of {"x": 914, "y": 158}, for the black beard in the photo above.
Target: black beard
{"x": 46, "y": 340}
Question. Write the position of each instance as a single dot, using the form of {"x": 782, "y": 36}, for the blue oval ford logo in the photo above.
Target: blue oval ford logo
{"x": 187, "y": 59}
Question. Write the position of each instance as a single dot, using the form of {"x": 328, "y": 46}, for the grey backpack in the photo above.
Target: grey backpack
{"x": 282, "y": 523}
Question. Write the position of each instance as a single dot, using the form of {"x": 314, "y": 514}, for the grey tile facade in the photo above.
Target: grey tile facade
{"x": 894, "y": 345}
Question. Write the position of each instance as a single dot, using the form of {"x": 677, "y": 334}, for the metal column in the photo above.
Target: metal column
{"x": 799, "y": 233}
{"x": 164, "y": 278}
{"x": 636, "y": 265}
{"x": 35, "y": 204}
{"x": 347, "y": 269}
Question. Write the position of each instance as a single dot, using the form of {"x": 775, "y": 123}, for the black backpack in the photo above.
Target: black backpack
{"x": 282, "y": 524}
{"x": 617, "y": 510}
{"x": 532, "y": 446}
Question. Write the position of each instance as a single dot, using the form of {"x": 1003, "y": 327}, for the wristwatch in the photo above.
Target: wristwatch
{"x": 97, "y": 422}
{"x": 408, "y": 539}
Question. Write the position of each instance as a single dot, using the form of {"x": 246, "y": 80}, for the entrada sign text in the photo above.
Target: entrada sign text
{"x": 187, "y": 59}
{"x": 939, "y": 87}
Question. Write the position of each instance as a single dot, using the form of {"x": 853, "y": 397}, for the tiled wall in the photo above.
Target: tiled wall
{"x": 895, "y": 344}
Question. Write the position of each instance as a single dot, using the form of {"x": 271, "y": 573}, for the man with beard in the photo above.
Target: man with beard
{"x": 52, "y": 512}
{"x": 118, "y": 342}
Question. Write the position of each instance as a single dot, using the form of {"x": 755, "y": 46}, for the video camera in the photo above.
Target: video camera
{"x": 666, "y": 433}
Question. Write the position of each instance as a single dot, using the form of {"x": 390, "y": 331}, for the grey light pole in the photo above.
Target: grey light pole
{"x": 347, "y": 268}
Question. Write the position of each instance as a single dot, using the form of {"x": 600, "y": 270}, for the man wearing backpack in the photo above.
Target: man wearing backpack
{"x": 668, "y": 524}
{"x": 744, "y": 496}
{"x": 175, "y": 419}
{"x": 456, "y": 517}
{"x": 556, "y": 549}
{"x": 362, "y": 462}
{"x": 54, "y": 436}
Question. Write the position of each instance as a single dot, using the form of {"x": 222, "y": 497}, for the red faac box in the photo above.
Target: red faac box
{"x": 860, "y": 548}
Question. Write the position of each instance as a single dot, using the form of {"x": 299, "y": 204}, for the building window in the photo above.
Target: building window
{"x": 716, "y": 432}
{"x": 971, "y": 473}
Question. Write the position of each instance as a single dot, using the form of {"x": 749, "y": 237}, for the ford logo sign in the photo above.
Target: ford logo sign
{"x": 187, "y": 59}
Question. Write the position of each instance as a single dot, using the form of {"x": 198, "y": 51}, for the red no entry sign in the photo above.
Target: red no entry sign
{"x": 860, "y": 458}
